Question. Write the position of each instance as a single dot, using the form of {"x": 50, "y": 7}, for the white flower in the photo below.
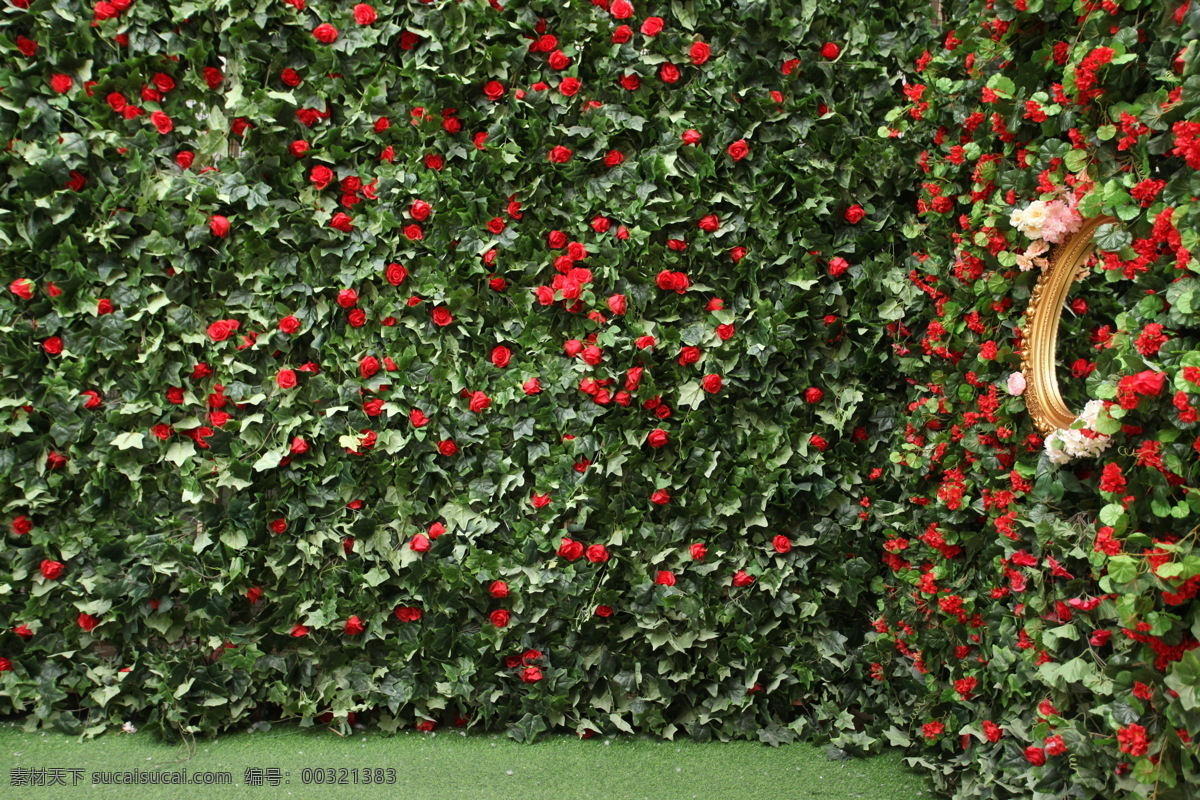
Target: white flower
{"x": 129, "y": 728}
{"x": 1030, "y": 219}
{"x": 1016, "y": 384}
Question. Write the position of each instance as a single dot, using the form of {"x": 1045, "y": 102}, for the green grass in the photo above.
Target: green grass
{"x": 447, "y": 765}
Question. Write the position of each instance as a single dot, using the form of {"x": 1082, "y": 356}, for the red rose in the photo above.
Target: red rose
{"x": 700, "y": 53}
{"x": 408, "y": 613}
{"x": 597, "y": 553}
{"x": 298, "y": 447}
{"x": 479, "y": 402}
{"x": 742, "y": 578}
{"x": 87, "y": 622}
{"x": 698, "y": 551}
{"x": 604, "y": 611}
{"x": 53, "y": 346}
{"x": 278, "y": 525}
{"x": 325, "y": 33}
{"x": 22, "y": 525}
{"x": 660, "y": 497}
{"x": 570, "y": 549}
{"x": 320, "y": 176}
{"x": 185, "y": 159}
{"x": 830, "y": 51}
{"x": 219, "y": 226}
{"x": 418, "y": 418}
{"x": 854, "y": 214}
{"x": 613, "y": 158}
{"x": 436, "y": 530}
{"x": 289, "y": 324}
{"x": 420, "y": 543}
{"x": 813, "y": 395}
{"x": 540, "y": 500}
{"x": 447, "y": 447}
{"x": 711, "y": 383}
{"x": 559, "y": 154}
{"x": 286, "y": 379}
{"x": 838, "y": 266}
{"x": 493, "y": 90}
{"x": 531, "y": 675}
{"x": 622, "y": 34}
{"x": 364, "y": 14}
{"x": 621, "y": 9}
{"x": 51, "y": 569}
{"x": 22, "y": 288}
{"x": 354, "y": 626}
{"x": 781, "y": 544}
{"x": 501, "y": 356}
{"x": 499, "y": 617}
{"x": 347, "y": 298}
{"x": 725, "y": 332}
{"x": 738, "y": 150}
{"x": 61, "y": 83}
{"x": 657, "y": 438}
{"x": 341, "y": 222}
{"x": 1035, "y": 755}
{"x": 298, "y": 148}
{"x": 664, "y": 578}
{"x": 818, "y": 442}
{"x": 569, "y": 87}
{"x": 162, "y": 122}
{"x": 299, "y": 630}
{"x": 23, "y": 630}
{"x": 709, "y": 223}
{"x": 213, "y": 77}
{"x": 498, "y": 589}
{"x": 442, "y": 316}
{"x": 532, "y": 386}
{"x": 652, "y": 26}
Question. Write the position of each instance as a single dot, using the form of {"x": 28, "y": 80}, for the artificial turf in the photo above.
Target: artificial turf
{"x": 447, "y": 764}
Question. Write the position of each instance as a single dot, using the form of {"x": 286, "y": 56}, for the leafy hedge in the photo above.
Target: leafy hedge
{"x": 438, "y": 363}
{"x": 603, "y": 367}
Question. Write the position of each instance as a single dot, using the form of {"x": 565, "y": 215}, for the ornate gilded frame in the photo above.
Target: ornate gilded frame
{"x": 1042, "y": 396}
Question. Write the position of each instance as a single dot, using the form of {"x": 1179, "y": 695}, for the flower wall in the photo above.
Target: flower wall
{"x": 1038, "y": 625}
{"x": 604, "y": 367}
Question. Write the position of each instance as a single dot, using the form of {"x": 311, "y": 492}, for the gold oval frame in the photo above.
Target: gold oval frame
{"x": 1042, "y": 318}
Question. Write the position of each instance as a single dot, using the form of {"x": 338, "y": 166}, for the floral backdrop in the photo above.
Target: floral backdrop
{"x": 607, "y": 367}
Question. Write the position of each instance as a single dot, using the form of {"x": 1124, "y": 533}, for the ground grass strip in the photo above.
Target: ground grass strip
{"x": 447, "y": 764}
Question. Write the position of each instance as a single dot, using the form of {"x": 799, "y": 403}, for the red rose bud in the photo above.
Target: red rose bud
{"x": 742, "y": 578}
{"x": 22, "y": 525}
{"x": 420, "y": 543}
{"x": 838, "y": 265}
{"x": 22, "y": 288}
{"x": 498, "y": 589}
{"x": 219, "y": 226}
{"x": 830, "y": 51}
{"x": 813, "y": 395}
{"x": 354, "y": 626}
{"x": 660, "y": 497}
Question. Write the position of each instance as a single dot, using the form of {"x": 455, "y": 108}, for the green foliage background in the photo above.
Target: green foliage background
{"x": 161, "y": 539}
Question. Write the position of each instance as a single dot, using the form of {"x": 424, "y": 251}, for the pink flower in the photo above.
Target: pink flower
{"x": 1016, "y": 384}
